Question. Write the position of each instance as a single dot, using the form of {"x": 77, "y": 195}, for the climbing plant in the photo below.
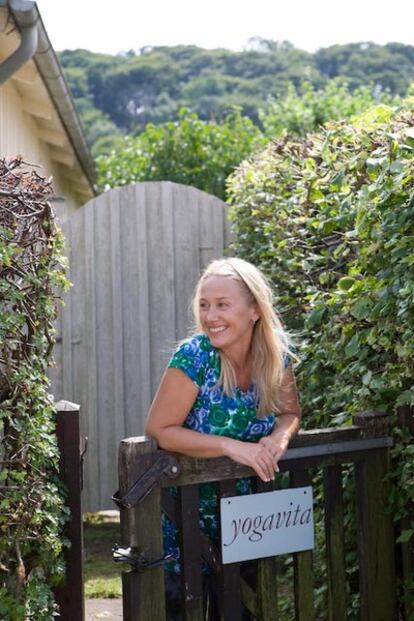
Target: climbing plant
{"x": 32, "y": 512}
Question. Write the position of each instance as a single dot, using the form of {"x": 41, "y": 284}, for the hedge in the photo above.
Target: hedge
{"x": 330, "y": 219}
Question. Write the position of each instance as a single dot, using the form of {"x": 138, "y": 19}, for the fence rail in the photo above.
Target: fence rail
{"x": 364, "y": 445}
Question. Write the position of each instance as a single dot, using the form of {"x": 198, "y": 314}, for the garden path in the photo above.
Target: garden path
{"x": 103, "y": 609}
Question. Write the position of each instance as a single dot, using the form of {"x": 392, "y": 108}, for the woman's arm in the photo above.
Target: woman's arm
{"x": 172, "y": 403}
{"x": 288, "y": 419}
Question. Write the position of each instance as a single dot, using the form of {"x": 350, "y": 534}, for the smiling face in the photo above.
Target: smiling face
{"x": 226, "y": 315}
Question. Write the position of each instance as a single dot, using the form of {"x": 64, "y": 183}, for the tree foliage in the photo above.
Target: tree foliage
{"x": 305, "y": 109}
{"x": 151, "y": 86}
{"x": 31, "y": 503}
{"x": 190, "y": 151}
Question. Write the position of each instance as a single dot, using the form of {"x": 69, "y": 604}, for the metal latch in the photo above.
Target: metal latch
{"x": 137, "y": 560}
{"x": 164, "y": 464}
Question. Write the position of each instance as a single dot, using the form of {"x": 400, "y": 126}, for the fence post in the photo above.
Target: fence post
{"x": 375, "y": 527}
{"x": 143, "y": 594}
{"x": 70, "y": 595}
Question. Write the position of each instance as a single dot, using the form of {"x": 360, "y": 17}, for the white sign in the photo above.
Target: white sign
{"x": 266, "y": 524}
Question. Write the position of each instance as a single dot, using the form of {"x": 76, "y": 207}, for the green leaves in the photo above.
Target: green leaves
{"x": 190, "y": 151}
{"x": 31, "y": 502}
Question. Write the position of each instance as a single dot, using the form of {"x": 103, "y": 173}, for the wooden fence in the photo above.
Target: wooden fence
{"x": 135, "y": 255}
{"x": 365, "y": 446}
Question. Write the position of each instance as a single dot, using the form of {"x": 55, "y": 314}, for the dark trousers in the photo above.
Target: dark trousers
{"x": 173, "y": 594}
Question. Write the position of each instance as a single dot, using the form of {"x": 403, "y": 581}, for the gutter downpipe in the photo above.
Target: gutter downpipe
{"x": 28, "y": 42}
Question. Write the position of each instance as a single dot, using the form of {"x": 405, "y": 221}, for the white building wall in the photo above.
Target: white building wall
{"x": 19, "y": 134}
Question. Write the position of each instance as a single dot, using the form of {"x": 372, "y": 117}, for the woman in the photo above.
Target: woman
{"x": 224, "y": 385}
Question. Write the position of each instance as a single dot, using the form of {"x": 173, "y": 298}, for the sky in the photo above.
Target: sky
{"x": 114, "y": 27}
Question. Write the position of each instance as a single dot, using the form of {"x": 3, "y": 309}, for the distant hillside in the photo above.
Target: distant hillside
{"x": 120, "y": 94}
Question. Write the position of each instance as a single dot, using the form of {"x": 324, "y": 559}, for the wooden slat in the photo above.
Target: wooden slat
{"x": 303, "y": 567}
{"x": 335, "y": 545}
{"x": 206, "y": 232}
{"x": 209, "y": 550}
{"x": 143, "y": 593}
{"x": 248, "y": 596}
{"x": 105, "y": 373}
{"x": 117, "y": 328}
{"x": 78, "y": 313}
{"x": 191, "y": 553}
{"x": 266, "y": 591}
{"x": 136, "y": 310}
{"x": 160, "y": 244}
{"x": 92, "y": 466}
{"x": 231, "y": 606}
{"x": 375, "y": 539}
{"x": 218, "y": 231}
{"x": 186, "y": 255}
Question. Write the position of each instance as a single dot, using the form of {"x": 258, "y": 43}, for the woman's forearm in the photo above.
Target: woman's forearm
{"x": 287, "y": 426}
{"x": 193, "y": 443}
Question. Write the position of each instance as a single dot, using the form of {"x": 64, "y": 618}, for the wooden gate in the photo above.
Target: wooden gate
{"x": 135, "y": 255}
{"x": 364, "y": 446}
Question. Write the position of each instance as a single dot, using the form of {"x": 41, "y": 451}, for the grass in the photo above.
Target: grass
{"x": 102, "y": 576}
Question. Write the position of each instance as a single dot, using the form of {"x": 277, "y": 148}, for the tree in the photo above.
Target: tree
{"x": 306, "y": 109}
{"x": 190, "y": 151}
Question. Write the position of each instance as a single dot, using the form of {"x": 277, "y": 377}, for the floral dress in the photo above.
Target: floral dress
{"x": 215, "y": 413}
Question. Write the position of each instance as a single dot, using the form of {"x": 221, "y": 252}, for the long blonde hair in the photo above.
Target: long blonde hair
{"x": 270, "y": 342}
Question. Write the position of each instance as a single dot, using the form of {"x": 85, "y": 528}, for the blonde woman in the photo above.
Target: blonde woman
{"x": 229, "y": 389}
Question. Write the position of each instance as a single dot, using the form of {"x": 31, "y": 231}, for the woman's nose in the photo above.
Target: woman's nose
{"x": 211, "y": 314}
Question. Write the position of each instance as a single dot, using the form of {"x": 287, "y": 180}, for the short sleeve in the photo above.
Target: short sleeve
{"x": 191, "y": 357}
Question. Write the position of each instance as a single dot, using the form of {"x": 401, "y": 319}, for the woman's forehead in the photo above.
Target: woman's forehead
{"x": 220, "y": 286}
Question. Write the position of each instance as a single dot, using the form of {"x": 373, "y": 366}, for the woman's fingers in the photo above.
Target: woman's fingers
{"x": 276, "y": 449}
{"x": 257, "y": 456}
{"x": 265, "y": 459}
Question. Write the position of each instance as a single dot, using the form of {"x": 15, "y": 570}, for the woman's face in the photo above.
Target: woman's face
{"x": 226, "y": 315}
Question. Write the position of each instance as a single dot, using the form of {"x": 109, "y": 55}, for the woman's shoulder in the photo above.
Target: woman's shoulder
{"x": 195, "y": 343}
{"x": 196, "y": 348}
{"x": 194, "y": 356}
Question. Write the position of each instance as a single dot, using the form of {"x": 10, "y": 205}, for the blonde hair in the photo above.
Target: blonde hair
{"x": 270, "y": 342}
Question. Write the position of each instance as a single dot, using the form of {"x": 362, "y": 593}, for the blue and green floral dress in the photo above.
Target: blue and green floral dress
{"x": 215, "y": 413}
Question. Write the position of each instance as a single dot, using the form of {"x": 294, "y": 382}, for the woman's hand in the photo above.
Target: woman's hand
{"x": 256, "y": 456}
{"x": 276, "y": 445}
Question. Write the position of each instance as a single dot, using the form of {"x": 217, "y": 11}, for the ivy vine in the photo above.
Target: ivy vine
{"x": 32, "y": 512}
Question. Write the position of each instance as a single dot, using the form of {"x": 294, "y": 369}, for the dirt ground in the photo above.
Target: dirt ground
{"x": 103, "y": 609}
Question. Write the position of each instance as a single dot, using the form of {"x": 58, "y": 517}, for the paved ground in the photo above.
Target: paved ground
{"x": 103, "y": 609}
